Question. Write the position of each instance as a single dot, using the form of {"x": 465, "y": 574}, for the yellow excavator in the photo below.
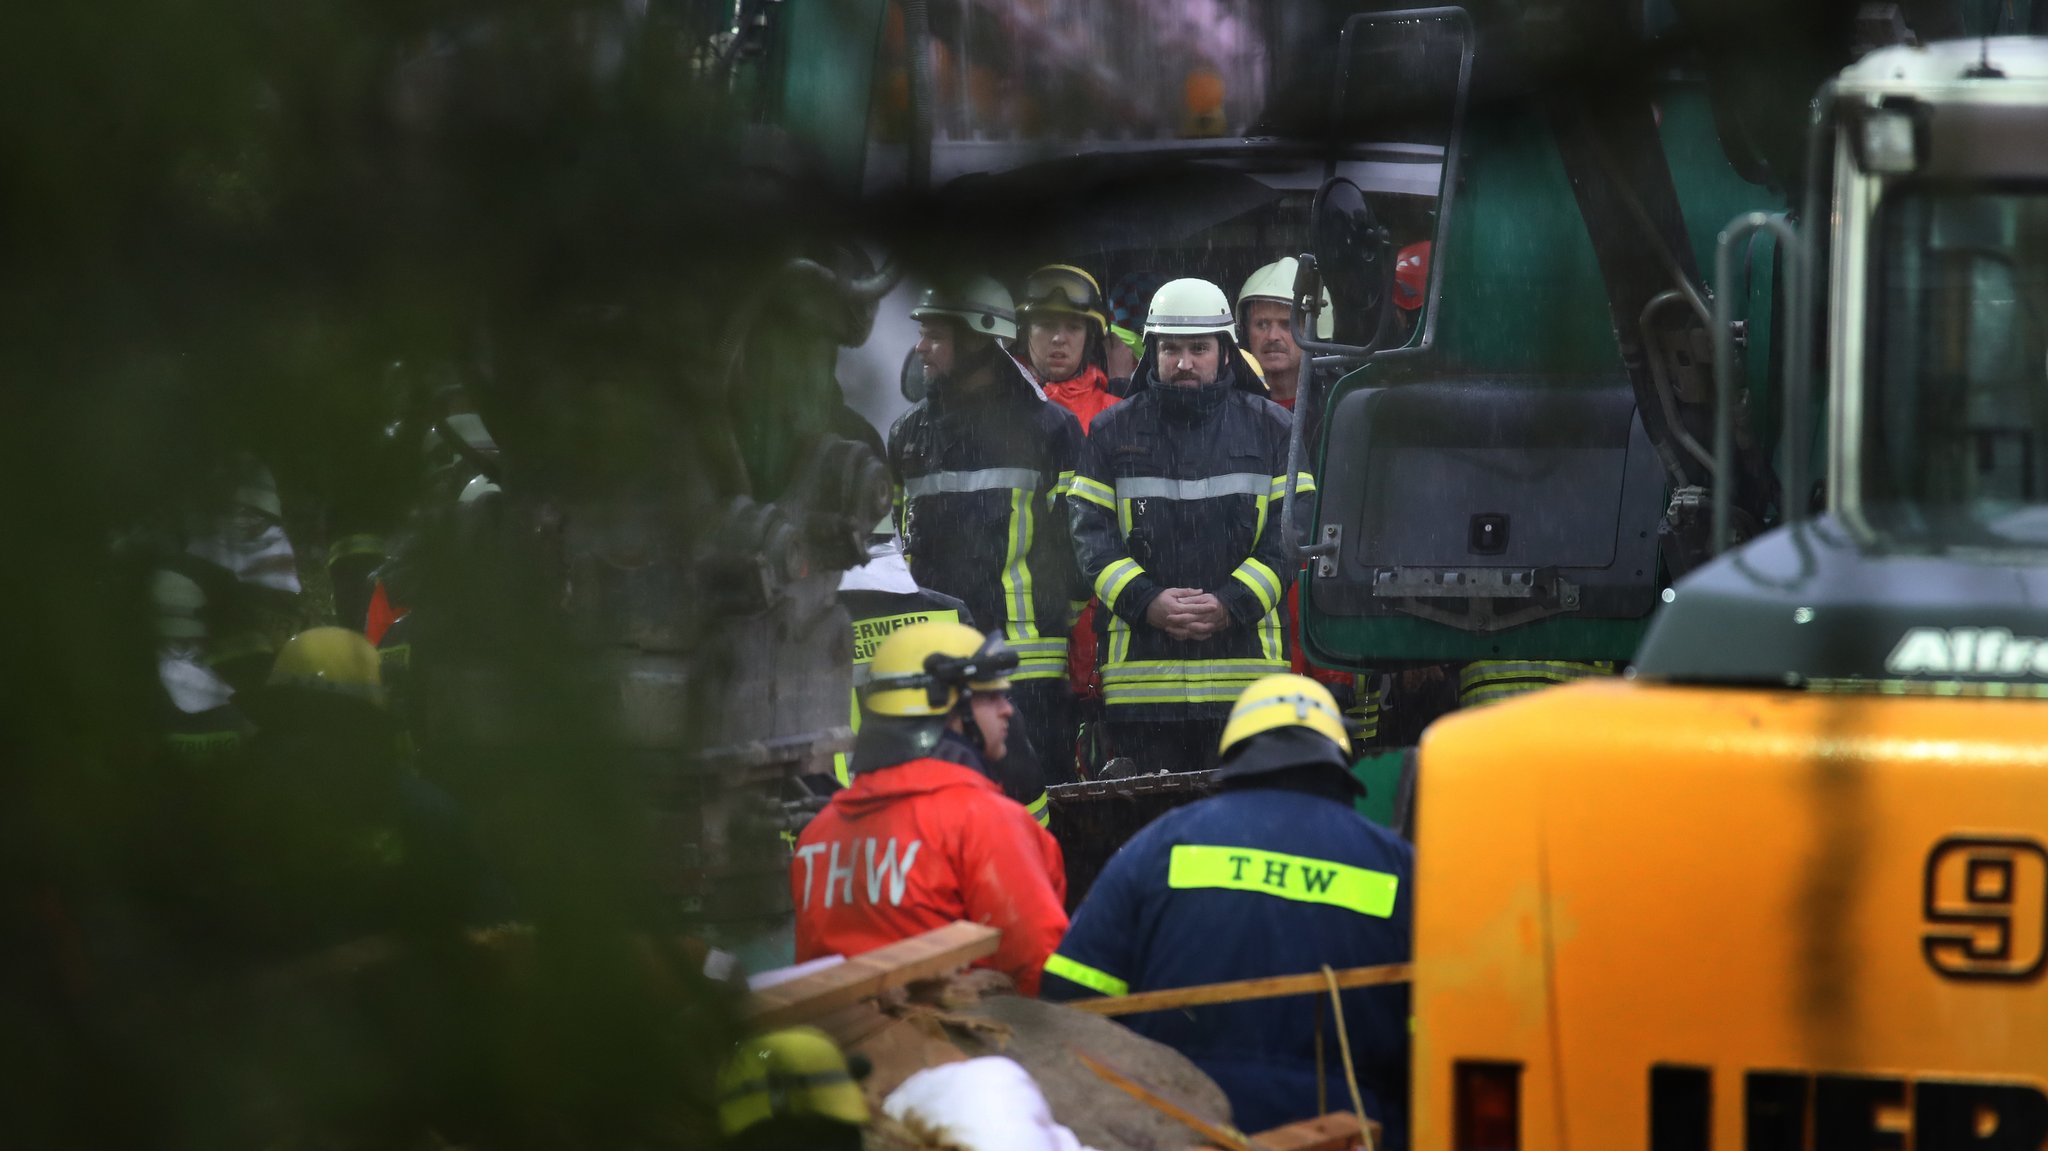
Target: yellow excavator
{"x": 1786, "y": 886}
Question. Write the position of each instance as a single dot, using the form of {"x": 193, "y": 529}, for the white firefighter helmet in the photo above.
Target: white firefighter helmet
{"x": 1275, "y": 282}
{"x": 1189, "y": 307}
{"x": 981, "y": 304}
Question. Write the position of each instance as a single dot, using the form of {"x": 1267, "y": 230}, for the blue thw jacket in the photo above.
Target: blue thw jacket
{"x": 1243, "y": 885}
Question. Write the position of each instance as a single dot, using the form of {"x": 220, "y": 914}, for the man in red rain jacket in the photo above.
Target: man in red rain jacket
{"x": 923, "y": 836}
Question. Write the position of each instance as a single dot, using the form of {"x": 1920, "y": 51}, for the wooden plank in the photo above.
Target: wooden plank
{"x": 934, "y": 953}
{"x": 1241, "y": 990}
{"x": 1337, "y": 1131}
{"x": 1229, "y": 1137}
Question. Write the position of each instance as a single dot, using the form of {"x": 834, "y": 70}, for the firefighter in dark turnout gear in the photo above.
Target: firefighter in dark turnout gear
{"x": 1302, "y": 880}
{"x": 982, "y": 464}
{"x": 1176, "y": 521}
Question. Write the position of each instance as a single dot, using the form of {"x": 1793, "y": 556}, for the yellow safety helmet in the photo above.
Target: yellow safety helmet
{"x": 1282, "y": 701}
{"x": 1275, "y": 283}
{"x": 921, "y": 671}
{"x": 333, "y": 660}
{"x": 792, "y": 1072}
{"x": 1063, "y": 289}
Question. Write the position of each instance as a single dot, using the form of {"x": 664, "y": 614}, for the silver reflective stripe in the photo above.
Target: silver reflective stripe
{"x": 985, "y": 480}
{"x": 1154, "y": 487}
{"x": 1220, "y": 322}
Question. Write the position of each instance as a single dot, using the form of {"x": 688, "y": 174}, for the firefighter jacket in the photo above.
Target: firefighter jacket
{"x": 1299, "y": 881}
{"x": 1182, "y": 487}
{"x": 1086, "y": 394}
{"x": 916, "y": 846}
{"x": 1491, "y": 680}
{"x": 983, "y": 480}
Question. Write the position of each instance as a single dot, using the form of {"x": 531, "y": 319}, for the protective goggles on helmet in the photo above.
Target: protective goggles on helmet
{"x": 986, "y": 670}
{"x": 1061, "y": 288}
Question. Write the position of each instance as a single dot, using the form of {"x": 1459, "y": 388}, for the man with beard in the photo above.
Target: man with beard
{"x": 1177, "y": 526}
{"x": 982, "y": 463}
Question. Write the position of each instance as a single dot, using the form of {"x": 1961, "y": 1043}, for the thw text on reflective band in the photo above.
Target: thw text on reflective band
{"x": 1295, "y": 877}
{"x": 985, "y": 480}
{"x": 1159, "y": 488}
{"x": 1085, "y": 976}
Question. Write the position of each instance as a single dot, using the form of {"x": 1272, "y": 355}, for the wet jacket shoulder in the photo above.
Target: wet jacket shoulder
{"x": 982, "y": 485}
{"x": 1303, "y": 881}
{"x": 1181, "y": 491}
{"x": 909, "y": 848}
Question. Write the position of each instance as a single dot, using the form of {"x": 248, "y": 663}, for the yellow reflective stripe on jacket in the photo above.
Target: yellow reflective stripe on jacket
{"x": 1263, "y": 581}
{"x": 1303, "y": 483}
{"x": 1294, "y": 877}
{"x": 360, "y": 544}
{"x": 1186, "y": 669}
{"x": 1094, "y": 491}
{"x": 1062, "y": 485}
{"x": 1490, "y": 680}
{"x": 1114, "y": 578}
{"x": 1017, "y": 570}
{"x": 1085, "y": 976}
{"x": 1040, "y": 810}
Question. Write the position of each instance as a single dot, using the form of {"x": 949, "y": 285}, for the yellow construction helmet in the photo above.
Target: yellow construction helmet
{"x": 1282, "y": 701}
{"x": 797, "y": 1071}
{"x": 921, "y": 671}
{"x": 333, "y": 660}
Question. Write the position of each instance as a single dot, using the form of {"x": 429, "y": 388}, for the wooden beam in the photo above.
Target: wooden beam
{"x": 926, "y": 956}
{"x": 1241, "y": 990}
{"x": 1337, "y": 1131}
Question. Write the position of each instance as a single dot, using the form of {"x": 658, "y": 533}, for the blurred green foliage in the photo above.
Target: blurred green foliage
{"x": 232, "y": 229}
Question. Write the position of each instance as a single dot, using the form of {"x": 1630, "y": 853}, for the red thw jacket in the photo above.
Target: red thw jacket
{"x": 916, "y": 846}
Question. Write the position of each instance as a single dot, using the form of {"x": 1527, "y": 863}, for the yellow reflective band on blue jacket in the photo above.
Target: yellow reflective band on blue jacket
{"x": 1083, "y": 975}
{"x": 1094, "y": 491}
{"x": 1293, "y": 877}
{"x": 1040, "y": 810}
{"x": 1114, "y": 578}
{"x": 1263, "y": 581}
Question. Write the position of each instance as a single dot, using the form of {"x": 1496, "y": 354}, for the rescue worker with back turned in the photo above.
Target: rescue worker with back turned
{"x": 881, "y": 598}
{"x": 1177, "y": 527}
{"x": 983, "y": 464}
{"x": 1301, "y": 879}
{"x": 923, "y": 837}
